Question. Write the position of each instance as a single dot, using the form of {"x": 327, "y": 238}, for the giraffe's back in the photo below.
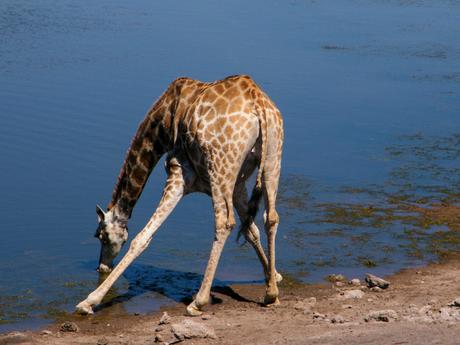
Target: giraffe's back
{"x": 219, "y": 123}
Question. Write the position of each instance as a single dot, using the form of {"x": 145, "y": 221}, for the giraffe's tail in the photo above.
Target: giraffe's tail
{"x": 256, "y": 195}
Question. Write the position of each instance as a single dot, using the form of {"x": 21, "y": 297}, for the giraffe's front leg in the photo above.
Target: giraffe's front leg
{"x": 224, "y": 225}
{"x": 173, "y": 192}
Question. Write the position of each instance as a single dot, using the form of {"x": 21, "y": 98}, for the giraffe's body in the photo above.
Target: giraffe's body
{"x": 214, "y": 135}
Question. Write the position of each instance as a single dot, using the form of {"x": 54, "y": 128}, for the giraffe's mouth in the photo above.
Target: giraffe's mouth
{"x": 103, "y": 268}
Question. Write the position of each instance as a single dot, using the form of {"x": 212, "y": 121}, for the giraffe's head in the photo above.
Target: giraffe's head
{"x": 113, "y": 233}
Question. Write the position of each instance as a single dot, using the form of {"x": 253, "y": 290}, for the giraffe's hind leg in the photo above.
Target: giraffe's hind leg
{"x": 270, "y": 187}
{"x": 251, "y": 233}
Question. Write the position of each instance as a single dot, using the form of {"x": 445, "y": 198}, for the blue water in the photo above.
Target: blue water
{"x": 76, "y": 78}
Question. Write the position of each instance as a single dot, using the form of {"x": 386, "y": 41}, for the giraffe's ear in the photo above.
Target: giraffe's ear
{"x": 100, "y": 214}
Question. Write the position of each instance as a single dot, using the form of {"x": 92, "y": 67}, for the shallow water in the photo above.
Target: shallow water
{"x": 370, "y": 93}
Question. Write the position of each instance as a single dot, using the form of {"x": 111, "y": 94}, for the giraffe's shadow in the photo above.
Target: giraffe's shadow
{"x": 175, "y": 285}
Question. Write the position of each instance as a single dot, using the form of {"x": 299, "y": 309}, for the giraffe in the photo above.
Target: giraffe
{"x": 214, "y": 136}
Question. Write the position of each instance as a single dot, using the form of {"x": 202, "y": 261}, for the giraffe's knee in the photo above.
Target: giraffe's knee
{"x": 252, "y": 234}
{"x": 272, "y": 218}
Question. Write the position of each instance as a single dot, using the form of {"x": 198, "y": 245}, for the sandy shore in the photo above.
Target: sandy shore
{"x": 413, "y": 310}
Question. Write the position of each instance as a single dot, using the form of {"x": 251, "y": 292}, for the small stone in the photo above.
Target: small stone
{"x": 337, "y": 319}
{"x": 206, "y": 317}
{"x": 351, "y": 294}
{"x": 165, "y": 319}
{"x": 339, "y": 284}
{"x": 347, "y": 306}
{"x": 319, "y": 316}
{"x": 382, "y": 316}
{"x": 159, "y": 329}
{"x": 188, "y": 329}
{"x": 455, "y": 302}
{"x": 158, "y": 338}
{"x": 355, "y": 282}
{"x": 69, "y": 327}
{"x": 46, "y": 332}
{"x": 372, "y": 281}
{"x": 376, "y": 289}
{"x": 336, "y": 278}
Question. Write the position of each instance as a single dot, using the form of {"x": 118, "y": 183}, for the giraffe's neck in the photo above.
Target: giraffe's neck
{"x": 150, "y": 142}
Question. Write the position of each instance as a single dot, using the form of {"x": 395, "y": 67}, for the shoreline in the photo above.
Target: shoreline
{"x": 417, "y": 304}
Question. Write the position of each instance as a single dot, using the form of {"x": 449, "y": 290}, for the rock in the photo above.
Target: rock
{"x": 455, "y": 302}
{"x": 449, "y": 314}
{"x": 319, "y": 316}
{"x": 347, "y": 306}
{"x": 159, "y": 329}
{"x": 69, "y": 327}
{"x": 46, "y": 332}
{"x": 355, "y": 282}
{"x": 382, "y": 315}
{"x": 206, "y": 317}
{"x": 188, "y": 329}
{"x": 351, "y": 294}
{"x": 158, "y": 338}
{"x": 338, "y": 319}
{"x": 165, "y": 319}
{"x": 372, "y": 281}
{"x": 336, "y": 278}
{"x": 339, "y": 284}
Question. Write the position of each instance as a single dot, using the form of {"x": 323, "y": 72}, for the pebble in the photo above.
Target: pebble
{"x": 386, "y": 315}
{"x": 317, "y": 315}
{"x": 46, "y": 332}
{"x": 165, "y": 319}
{"x": 455, "y": 302}
{"x": 188, "y": 329}
{"x": 338, "y": 319}
{"x": 355, "y": 282}
{"x": 69, "y": 327}
{"x": 372, "y": 281}
{"x": 351, "y": 294}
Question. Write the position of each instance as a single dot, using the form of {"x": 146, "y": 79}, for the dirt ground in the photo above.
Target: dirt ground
{"x": 413, "y": 310}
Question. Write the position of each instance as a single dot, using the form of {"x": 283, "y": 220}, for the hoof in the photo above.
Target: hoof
{"x": 270, "y": 301}
{"x": 193, "y": 310}
{"x": 84, "y": 308}
{"x": 279, "y": 277}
